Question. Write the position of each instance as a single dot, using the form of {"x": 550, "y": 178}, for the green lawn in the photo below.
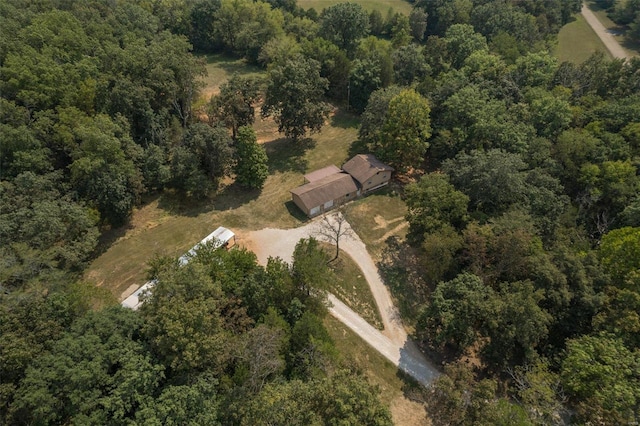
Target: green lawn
{"x": 577, "y": 41}
{"x": 383, "y": 6}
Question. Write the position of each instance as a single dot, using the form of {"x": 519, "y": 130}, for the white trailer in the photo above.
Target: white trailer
{"x": 221, "y": 237}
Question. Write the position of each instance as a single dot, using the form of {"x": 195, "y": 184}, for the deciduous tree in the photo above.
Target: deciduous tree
{"x": 251, "y": 159}
{"x": 294, "y": 97}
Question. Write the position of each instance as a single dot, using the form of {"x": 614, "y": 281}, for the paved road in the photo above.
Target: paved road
{"x": 611, "y": 43}
{"x": 393, "y": 342}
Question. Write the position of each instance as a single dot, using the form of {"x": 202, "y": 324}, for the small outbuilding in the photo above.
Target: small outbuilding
{"x": 368, "y": 171}
{"x": 324, "y": 193}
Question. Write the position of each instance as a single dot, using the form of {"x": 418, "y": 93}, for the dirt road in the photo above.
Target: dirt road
{"x": 393, "y": 342}
{"x": 611, "y": 43}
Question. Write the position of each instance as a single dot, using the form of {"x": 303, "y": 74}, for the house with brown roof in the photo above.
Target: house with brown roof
{"x": 368, "y": 171}
{"x": 325, "y": 193}
{"x": 330, "y": 186}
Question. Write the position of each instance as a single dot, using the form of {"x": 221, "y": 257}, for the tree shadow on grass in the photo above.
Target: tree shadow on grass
{"x": 285, "y": 155}
{"x": 343, "y": 119}
{"x": 358, "y": 147}
{"x": 228, "y": 197}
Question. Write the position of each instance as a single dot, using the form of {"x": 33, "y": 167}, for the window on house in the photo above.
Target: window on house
{"x": 347, "y": 195}
{"x": 369, "y": 183}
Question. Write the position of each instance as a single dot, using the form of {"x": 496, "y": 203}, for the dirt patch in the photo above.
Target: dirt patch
{"x": 407, "y": 412}
{"x": 392, "y": 232}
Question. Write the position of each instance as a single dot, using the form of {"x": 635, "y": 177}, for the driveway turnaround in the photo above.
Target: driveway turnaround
{"x": 392, "y": 342}
{"x": 611, "y": 43}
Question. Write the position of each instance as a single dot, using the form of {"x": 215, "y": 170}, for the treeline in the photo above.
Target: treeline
{"x": 524, "y": 218}
{"x": 525, "y": 224}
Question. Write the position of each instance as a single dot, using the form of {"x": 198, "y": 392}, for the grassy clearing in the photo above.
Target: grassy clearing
{"x": 577, "y": 41}
{"x": 395, "y": 390}
{"x": 383, "y": 6}
{"x": 170, "y": 225}
{"x": 220, "y": 68}
{"x": 378, "y": 217}
{"x": 352, "y": 288}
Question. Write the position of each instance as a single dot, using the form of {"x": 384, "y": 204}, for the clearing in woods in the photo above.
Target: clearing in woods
{"x": 577, "y": 41}
{"x": 383, "y": 6}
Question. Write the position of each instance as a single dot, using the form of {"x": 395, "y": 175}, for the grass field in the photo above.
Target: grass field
{"x": 378, "y": 217}
{"x": 395, "y": 389}
{"x": 383, "y": 6}
{"x": 352, "y": 288}
{"x": 220, "y": 68}
{"x": 577, "y": 41}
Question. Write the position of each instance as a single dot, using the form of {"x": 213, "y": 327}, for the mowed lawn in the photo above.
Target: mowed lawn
{"x": 577, "y": 41}
{"x": 383, "y": 6}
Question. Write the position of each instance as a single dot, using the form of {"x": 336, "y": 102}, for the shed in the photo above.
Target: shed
{"x": 323, "y": 194}
{"x": 133, "y": 301}
{"x": 368, "y": 171}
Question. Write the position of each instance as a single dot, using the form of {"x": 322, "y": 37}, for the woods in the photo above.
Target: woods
{"x": 519, "y": 173}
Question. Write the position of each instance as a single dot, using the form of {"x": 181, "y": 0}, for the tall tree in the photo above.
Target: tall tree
{"x": 294, "y": 97}
{"x": 203, "y": 158}
{"x": 234, "y": 106}
{"x": 252, "y": 167}
{"x": 432, "y": 203}
{"x": 604, "y": 378}
{"x": 344, "y": 24}
{"x": 403, "y": 138}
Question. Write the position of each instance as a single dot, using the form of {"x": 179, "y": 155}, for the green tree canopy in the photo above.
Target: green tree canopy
{"x": 251, "y": 159}
{"x": 294, "y": 97}
{"x": 403, "y": 139}
{"x": 344, "y": 24}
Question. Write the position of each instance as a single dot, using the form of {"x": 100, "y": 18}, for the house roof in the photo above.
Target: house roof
{"x": 319, "y": 174}
{"x": 326, "y": 189}
{"x": 364, "y": 166}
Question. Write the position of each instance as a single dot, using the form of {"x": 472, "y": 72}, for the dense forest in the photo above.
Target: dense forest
{"x": 521, "y": 270}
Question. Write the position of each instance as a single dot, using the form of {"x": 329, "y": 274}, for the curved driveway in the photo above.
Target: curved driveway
{"x": 609, "y": 41}
{"x": 393, "y": 342}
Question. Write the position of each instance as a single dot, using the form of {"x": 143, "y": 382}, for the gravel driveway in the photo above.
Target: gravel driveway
{"x": 611, "y": 43}
{"x": 393, "y": 342}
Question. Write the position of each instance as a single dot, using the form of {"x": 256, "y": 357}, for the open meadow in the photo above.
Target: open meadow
{"x": 383, "y": 6}
{"x": 577, "y": 41}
